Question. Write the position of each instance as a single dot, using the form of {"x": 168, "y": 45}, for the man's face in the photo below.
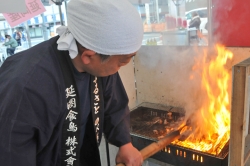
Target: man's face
{"x": 108, "y": 67}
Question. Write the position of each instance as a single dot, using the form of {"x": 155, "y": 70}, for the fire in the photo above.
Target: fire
{"x": 211, "y": 130}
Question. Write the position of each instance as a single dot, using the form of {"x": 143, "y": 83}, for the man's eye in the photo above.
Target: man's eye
{"x": 123, "y": 63}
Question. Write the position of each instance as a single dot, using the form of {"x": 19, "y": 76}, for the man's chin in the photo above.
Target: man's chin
{"x": 102, "y": 74}
{"x": 98, "y": 74}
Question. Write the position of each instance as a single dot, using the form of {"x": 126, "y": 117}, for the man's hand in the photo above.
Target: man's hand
{"x": 129, "y": 155}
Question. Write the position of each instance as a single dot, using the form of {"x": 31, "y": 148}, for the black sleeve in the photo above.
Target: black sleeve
{"x": 116, "y": 117}
{"x": 19, "y": 134}
{"x": 26, "y": 126}
{"x": 29, "y": 112}
{"x": 17, "y": 143}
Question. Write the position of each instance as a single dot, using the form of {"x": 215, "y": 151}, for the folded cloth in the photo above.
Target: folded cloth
{"x": 66, "y": 41}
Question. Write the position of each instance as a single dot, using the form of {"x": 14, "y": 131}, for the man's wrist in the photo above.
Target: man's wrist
{"x": 126, "y": 146}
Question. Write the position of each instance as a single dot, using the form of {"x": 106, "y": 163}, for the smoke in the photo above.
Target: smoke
{"x": 173, "y": 76}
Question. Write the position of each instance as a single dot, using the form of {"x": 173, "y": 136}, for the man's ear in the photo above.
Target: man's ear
{"x": 87, "y": 56}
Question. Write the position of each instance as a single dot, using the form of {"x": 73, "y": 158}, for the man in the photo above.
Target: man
{"x": 58, "y": 97}
{"x": 12, "y": 43}
{"x": 18, "y": 36}
{"x": 195, "y": 22}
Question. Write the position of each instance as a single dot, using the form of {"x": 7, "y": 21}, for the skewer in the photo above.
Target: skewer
{"x": 160, "y": 144}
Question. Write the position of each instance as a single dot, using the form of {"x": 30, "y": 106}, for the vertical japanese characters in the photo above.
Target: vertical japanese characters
{"x": 71, "y": 141}
{"x": 96, "y": 108}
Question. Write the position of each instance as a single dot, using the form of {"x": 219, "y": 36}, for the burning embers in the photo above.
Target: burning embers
{"x": 211, "y": 129}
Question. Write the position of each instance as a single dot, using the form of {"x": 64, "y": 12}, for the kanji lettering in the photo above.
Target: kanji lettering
{"x": 70, "y": 91}
{"x": 14, "y": 16}
{"x": 70, "y": 151}
{"x": 71, "y": 103}
{"x": 72, "y": 127}
{"x": 71, "y": 141}
{"x": 34, "y": 6}
{"x": 70, "y": 160}
{"x": 71, "y": 115}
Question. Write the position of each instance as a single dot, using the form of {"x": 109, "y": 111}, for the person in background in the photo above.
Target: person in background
{"x": 6, "y": 39}
{"x": 195, "y": 21}
{"x": 2, "y": 38}
{"x": 12, "y": 43}
{"x": 60, "y": 96}
{"x": 18, "y": 36}
{"x": 24, "y": 36}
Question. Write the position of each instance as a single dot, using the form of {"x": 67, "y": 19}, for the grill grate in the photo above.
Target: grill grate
{"x": 150, "y": 122}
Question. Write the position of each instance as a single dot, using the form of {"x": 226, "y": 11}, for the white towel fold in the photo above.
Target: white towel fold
{"x": 66, "y": 41}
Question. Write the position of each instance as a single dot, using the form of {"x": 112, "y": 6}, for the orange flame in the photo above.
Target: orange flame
{"x": 211, "y": 130}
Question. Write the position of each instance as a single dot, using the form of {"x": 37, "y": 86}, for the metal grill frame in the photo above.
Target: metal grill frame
{"x": 180, "y": 156}
{"x": 175, "y": 154}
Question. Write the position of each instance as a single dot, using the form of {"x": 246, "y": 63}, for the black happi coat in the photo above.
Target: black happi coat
{"x": 33, "y": 109}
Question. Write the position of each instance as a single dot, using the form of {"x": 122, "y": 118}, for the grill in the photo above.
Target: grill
{"x": 150, "y": 122}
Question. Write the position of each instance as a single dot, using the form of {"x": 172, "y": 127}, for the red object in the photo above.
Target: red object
{"x": 179, "y": 22}
{"x": 168, "y": 21}
{"x": 173, "y": 21}
{"x": 231, "y": 23}
{"x": 184, "y": 23}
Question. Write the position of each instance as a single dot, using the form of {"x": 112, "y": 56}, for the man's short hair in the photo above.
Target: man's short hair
{"x": 81, "y": 49}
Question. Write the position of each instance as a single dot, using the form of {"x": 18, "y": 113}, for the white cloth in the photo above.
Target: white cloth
{"x": 109, "y": 27}
{"x": 66, "y": 41}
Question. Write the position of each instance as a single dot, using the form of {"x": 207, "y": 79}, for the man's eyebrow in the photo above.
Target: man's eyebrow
{"x": 128, "y": 57}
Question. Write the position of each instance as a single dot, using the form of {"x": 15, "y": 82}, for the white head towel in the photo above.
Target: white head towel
{"x": 109, "y": 27}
